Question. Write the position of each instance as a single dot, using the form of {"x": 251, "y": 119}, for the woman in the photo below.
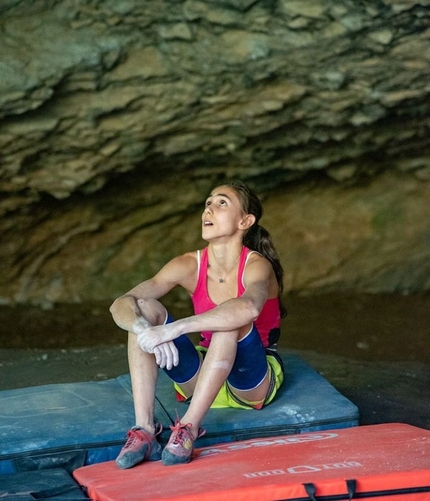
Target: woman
{"x": 235, "y": 284}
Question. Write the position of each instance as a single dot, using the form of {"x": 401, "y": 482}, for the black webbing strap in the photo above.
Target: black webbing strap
{"x": 351, "y": 486}
{"x": 310, "y": 491}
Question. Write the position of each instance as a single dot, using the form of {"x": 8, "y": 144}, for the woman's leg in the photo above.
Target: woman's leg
{"x": 220, "y": 363}
{"x": 213, "y": 373}
{"x": 211, "y": 376}
{"x": 144, "y": 374}
{"x": 142, "y": 441}
{"x": 186, "y": 372}
{"x": 250, "y": 378}
{"x": 143, "y": 368}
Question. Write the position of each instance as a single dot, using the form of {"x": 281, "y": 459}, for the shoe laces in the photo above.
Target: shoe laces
{"x": 132, "y": 438}
{"x": 180, "y": 432}
{"x": 140, "y": 435}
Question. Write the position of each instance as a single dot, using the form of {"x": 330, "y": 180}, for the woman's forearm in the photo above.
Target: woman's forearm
{"x": 230, "y": 315}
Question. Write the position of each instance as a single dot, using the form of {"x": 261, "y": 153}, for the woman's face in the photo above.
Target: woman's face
{"x": 223, "y": 215}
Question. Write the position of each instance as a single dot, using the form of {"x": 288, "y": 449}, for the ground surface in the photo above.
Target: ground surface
{"x": 374, "y": 350}
{"x": 383, "y": 391}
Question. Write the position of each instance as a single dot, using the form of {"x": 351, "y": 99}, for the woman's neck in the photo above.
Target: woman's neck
{"x": 223, "y": 257}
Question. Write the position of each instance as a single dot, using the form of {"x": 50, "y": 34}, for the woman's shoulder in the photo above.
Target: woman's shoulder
{"x": 187, "y": 259}
{"x": 258, "y": 266}
{"x": 182, "y": 270}
{"x": 255, "y": 257}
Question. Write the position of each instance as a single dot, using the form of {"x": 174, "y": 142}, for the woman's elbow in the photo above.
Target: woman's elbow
{"x": 253, "y": 311}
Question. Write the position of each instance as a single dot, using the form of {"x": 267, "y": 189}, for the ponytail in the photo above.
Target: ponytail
{"x": 258, "y": 238}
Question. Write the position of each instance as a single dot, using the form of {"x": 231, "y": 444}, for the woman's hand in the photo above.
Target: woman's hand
{"x": 151, "y": 336}
{"x": 159, "y": 341}
{"x": 166, "y": 355}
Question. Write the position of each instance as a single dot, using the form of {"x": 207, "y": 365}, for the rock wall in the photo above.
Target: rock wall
{"x": 117, "y": 117}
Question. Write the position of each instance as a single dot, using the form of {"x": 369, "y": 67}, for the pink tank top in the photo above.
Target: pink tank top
{"x": 269, "y": 318}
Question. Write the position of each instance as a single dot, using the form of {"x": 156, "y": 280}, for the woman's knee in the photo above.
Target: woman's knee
{"x": 152, "y": 310}
{"x": 250, "y": 364}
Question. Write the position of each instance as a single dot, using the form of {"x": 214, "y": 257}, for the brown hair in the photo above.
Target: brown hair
{"x": 258, "y": 238}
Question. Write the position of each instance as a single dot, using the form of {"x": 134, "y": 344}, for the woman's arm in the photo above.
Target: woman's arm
{"x": 179, "y": 271}
{"x": 230, "y": 315}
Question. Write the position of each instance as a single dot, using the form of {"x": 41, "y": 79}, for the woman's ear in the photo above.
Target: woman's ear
{"x": 247, "y": 221}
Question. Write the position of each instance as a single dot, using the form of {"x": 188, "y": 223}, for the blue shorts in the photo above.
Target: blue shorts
{"x": 249, "y": 369}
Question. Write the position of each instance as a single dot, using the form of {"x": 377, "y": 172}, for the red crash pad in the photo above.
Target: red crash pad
{"x": 386, "y": 461}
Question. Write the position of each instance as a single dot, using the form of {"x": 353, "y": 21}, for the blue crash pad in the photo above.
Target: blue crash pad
{"x": 75, "y": 424}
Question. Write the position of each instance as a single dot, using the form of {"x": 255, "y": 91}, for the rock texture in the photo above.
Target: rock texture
{"x": 117, "y": 117}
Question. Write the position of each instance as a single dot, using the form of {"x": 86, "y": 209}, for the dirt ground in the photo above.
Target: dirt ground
{"x": 375, "y": 351}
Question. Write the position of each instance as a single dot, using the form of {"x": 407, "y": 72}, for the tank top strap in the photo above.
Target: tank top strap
{"x": 245, "y": 255}
{"x": 198, "y": 262}
{"x": 241, "y": 270}
{"x": 202, "y": 263}
{"x": 200, "y": 298}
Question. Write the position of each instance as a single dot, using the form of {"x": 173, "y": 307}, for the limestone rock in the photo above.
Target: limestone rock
{"x": 116, "y": 118}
